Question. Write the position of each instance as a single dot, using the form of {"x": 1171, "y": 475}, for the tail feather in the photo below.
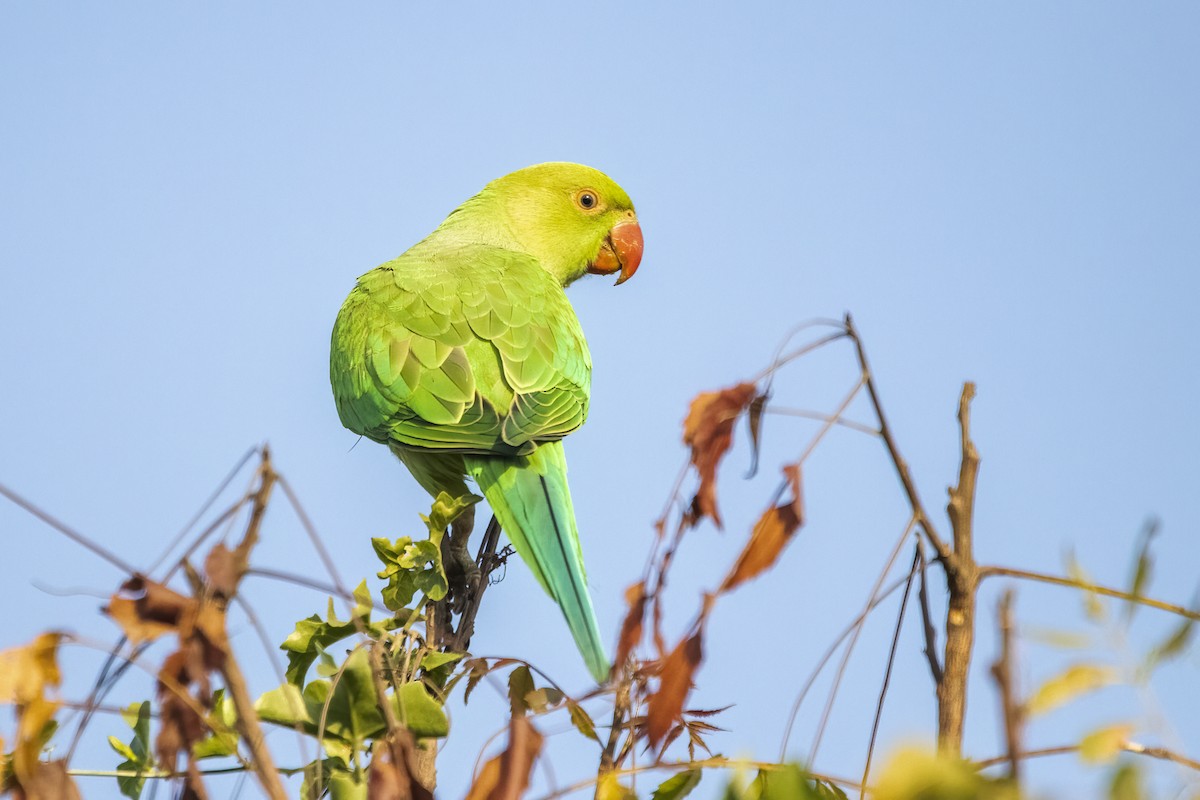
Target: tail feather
{"x": 530, "y": 497}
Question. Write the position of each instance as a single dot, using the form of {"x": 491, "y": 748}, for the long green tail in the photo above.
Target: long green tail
{"x": 529, "y": 496}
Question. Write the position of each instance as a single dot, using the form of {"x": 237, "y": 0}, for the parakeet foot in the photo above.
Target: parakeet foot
{"x": 462, "y": 572}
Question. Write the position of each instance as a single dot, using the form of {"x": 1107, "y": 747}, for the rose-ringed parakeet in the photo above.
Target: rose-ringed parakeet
{"x": 464, "y": 356}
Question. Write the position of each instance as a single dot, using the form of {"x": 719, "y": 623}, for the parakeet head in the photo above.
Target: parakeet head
{"x": 573, "y": 219}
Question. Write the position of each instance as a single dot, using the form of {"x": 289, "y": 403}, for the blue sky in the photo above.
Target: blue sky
{"x": 1006, "y": 193}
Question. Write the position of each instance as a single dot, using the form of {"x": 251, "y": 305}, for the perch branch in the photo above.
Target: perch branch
{"x": 962, "y": 578}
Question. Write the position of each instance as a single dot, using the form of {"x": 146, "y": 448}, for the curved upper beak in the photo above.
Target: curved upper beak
{"x": 621, "y": 251}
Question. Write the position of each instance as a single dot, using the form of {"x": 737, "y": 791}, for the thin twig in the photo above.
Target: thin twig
{"x": 1041, "y": 577}
{"x": 716, "y": 762}
{"x": 930, "y": 633}
{"x": 313, "y": 536}
{"x": 820, "y": 666}
{"x": 212, "y": 498}
{"x": 829, "y": 422}
{"x": 68, "y": 531}
{"x": 910, "y": 488}
{"x": 1160, "y": 753}
{"x": 841, "y": 671}
{"x": 799, "y": 352}
{"x": 311, "y": 583}
{"x": 887, "y": 675}
{"x": 820, "y": 417}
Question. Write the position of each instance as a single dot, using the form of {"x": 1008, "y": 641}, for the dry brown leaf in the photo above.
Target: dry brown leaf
{"x": 390, "y": 776}
{"x": 665, "y": 707}
{"x": 222, "y": 570}
{"x": 49, "y": 781}
{"x": 506, "y": 776}
{"x": 181, "y": 723}
{"x": 708, "y": 430}
{"x": 25, "y": 671}
{"x": 146, "y": 609}
{"x": 27, "y": 749}
{"x": 123, "y": 611}
{"x": 771, "y": 534}
{"x": 757, "y": 406}
{"x": 631, "y": 628}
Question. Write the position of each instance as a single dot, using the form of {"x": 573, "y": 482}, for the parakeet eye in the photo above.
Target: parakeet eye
{"x": 586, "y": 200}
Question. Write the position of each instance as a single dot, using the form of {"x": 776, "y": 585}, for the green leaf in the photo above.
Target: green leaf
{"x": 313, "y": 635}
{"x": 829, "y": 791}
{"x": 317, "y": 775}
{"x": 541, "y": 700}
{"x": 677, "y": 786}
{"x": 520, "y": 684}
{"x": 1127, "y": 784}
{"x": 582, "y": 721}
{"x": 420, "y": 712}
{"x": 446, "y": 509}
{"x": 1072, "y": 682}
{"x": 416, "y": 566}
{"x": 439, "y": 667}
{"x": 353, "y": 717}
{"x": 345, "y": 785}
{"x": 609, "y": 788}
{"x": 789, "y": 783}
{"x": 137, "y": 753}
{"x": 1092, "y": 606}
{"x": 1103, "y": 745}
{"x": 433, "y": 659}
{"x": 1175, "y": 643}
{"x": 1064, "y": 640}
{"x": 351, "y": 714}
{"x": 1142, "y": 567}
{"x": 221, "y": 720}
{"x": 122, "y": 749}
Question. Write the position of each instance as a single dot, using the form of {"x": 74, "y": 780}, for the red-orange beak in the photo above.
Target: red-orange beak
{"x": 621, "y": 250}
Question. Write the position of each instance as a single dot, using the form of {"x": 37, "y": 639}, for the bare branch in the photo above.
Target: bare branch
{"x": 962, "y": 578}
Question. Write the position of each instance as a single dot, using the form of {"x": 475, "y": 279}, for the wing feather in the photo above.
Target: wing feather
{"x": 475, "y": 349}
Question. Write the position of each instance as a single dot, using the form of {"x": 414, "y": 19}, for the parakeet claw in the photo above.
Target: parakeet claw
{"x": 462, "y": 573}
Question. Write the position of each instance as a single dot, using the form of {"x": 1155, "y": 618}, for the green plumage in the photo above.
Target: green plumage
{"x": 464, "y": 356}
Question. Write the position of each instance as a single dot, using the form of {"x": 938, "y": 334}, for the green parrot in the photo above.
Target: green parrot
{"x": 465, "y": 358}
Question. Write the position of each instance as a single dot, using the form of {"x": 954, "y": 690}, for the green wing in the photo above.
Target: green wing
{"x": 472, "y": 349}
